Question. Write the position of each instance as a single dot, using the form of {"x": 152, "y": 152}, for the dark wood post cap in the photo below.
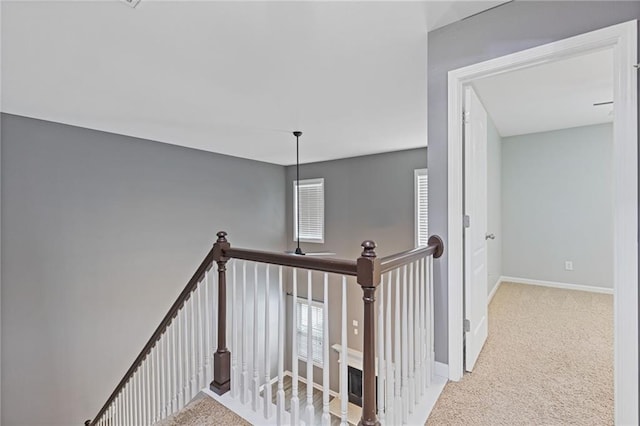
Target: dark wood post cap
{"x": 437, "y": 241}
{"x": 369, "y": 248}
{"x": 222, "y": 236}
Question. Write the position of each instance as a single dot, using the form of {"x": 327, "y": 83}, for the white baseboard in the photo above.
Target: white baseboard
{"x": 567, "y": 286}
{"x": 495, "y": 289}
{"x": 441, "y": 369}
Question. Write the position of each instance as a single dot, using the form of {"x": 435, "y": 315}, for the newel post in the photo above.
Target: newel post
{"x": 222, "y": 357}
{"x": 368, "y": 267}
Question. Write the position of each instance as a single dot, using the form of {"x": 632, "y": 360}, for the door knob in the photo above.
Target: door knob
{"x": 489, "y": 237}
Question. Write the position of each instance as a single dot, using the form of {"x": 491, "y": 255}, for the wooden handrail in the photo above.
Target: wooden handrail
{"x": 206, "y": 264}
{"x": 367, "y": 268}
{"x": 338, "y": 266}
{"x": 434, "y": 247}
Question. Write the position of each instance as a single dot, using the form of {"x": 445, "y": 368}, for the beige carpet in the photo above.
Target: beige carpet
{"x": 548, "y": 361}
{"x": 204, "y": 411}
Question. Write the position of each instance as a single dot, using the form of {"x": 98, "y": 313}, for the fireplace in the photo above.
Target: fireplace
{"x": 354, "y": 386}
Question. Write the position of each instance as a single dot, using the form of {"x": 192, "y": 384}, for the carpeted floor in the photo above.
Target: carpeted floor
{"x": 204, "y": 411}
{"x": 548, "y": 361}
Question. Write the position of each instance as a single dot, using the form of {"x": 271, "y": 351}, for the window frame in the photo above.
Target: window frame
{"x": 309, "y": 182}
{"x": 320, "y": 306}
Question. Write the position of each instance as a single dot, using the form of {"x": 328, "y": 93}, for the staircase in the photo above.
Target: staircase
{"x": 245, "y": 325}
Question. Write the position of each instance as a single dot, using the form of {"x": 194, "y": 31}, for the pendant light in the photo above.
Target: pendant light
{"x": 297, "y": 134}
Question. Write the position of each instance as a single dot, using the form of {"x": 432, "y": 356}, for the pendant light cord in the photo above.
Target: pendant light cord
{"x": 297, "y": 135}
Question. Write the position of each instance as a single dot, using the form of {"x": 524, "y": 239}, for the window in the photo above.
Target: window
{"x": 317, "y": 329}
{"x": 311, "y": 211}
{"x": 422, "y": 207}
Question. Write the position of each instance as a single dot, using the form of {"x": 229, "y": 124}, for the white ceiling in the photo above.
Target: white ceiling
{"x": 551, "y": 96}
{"x": 231, "y": 77}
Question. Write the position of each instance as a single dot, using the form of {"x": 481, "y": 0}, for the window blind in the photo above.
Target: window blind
{"x": 311, "y": 210}
{"x": 422, "y": 207}
{"x": 316, "y": 327}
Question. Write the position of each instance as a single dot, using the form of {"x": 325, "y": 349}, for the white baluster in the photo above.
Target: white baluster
{"x": 295, "y": 403}
{"x": 151, "y": 388}
{"x": 267, "y": 347}
{"x": 143, "y": 394}
{"x": 309, "y": 410}
{"x": 132, "y": 401}
{"x": 187, "y": 351}
{"x": 344, "y": 398}
{"x": 172, "y": 396}
{"x": 326, "y": 417}
{"x": 158, "y": 380}
{"x": 180, "y": 359}
{"x": 234, "y": 337}
{"x": 380, "y": 354}
{"x": 162, "y": 374}
{"x": 411, "y": 341}
{"x": 256, "y": 380}
{"x": 208, "y": 370}
{"x": 118, "y": 407}
{"x": 127, "y": 404}
{"x": 405, "y": 352}
{"x": 397, "y": 356}
{"x": 281, "y": 342}
{"x": 427, "y": 299}
{"x": 215, "y": 294}
{"x": 193, "y": 356}
{"x": 245, "y": 341}
{"x": 419, "y": 330}
{"x": 390, "y": 399}
{"x": 201, "y": 348}
{"x": 136, "y": 389}
{"x": 432, "y": 357}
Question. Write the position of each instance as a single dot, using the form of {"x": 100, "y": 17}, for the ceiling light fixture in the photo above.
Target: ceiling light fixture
{"x": 132, "y": 3}
{"x": 297, "y": 134}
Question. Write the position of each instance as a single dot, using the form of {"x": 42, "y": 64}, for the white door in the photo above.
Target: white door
{"x": 475, "y": 245}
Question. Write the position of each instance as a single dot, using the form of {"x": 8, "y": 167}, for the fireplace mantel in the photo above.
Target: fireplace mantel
{"x": 354, "y": 357}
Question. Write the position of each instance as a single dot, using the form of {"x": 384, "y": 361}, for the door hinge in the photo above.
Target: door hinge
{"x": 467, "y": 326}
{"x": 466, "y": 221}
{"x": 465, "y": 117}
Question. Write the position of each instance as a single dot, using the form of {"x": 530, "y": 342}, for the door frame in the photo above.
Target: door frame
{"x": 623, "y": 39}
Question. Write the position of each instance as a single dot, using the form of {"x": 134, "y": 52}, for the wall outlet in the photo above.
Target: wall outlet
{"x": 355, "y": 331}
{"x": 568, "y": 265}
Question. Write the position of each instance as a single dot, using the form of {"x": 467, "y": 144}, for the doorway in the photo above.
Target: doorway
{"x": 622, "y": 39}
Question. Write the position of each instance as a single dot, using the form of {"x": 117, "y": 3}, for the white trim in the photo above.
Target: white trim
{"x": 623, "y": 39}
{"x": 441, "y": 369}
{"x": 495, "y": 290}
{"x": 555, "y": 284}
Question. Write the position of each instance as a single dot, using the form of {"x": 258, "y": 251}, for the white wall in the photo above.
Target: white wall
{"x": 557, "y": 206}
{"x": 494, "y": 204}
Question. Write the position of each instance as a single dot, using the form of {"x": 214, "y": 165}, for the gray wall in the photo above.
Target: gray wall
{"x": 368, "y": 197}
{"x": 100, "y": 233}
{"x": 557, "y": 186}
{"x": 506, "y": 29}
{"x": 494, "y": 204}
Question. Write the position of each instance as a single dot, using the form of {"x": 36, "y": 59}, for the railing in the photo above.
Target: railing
{"x": 245, "y": 313}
